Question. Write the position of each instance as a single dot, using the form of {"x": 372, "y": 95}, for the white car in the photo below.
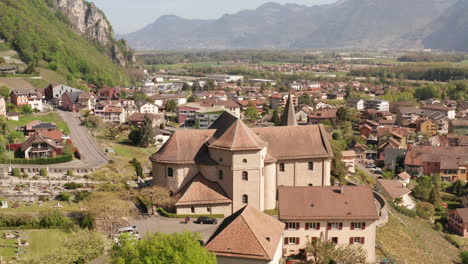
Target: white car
{"x": 65, "y": 137}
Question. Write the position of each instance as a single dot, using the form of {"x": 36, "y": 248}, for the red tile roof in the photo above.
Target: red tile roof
{"x": 199, "y": 190}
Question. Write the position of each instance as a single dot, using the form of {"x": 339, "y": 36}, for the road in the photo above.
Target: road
{"x": 152, "y": 224}
{"x": 92, "y": 156}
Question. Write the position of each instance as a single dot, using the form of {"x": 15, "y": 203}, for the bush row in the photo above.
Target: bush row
{"x": 49, "y": 219}
{"x": 402, "y": 210}
{"x": 163, "y": 212}
{"x": 43, "y": 161}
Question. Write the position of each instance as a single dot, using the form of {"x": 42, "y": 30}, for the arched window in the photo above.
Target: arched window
{"x": 311, "y": 165}
{"x": 192, "y": 210}
{"x": 170, "y": 172}
{"x": 281, "y": 167}
{"x": 244, "y": 160}
{"x": 220, "y": 174}
{"x": 245, "y": 199}
{"x": 245, "y": 176}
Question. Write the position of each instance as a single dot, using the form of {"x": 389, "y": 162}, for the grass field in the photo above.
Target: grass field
{"x": 35, "y": 208}
{"x": 40, "y": 241}
{"x": 45, "y": 240}
{"x": 38, "y": 83}
{"x": 412, "y": 240}
{"x": 50, "y": 117}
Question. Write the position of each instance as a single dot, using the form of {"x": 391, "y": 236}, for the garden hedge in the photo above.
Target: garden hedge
{"x": 163, "y": 212}
{"x": 43, "y": 161}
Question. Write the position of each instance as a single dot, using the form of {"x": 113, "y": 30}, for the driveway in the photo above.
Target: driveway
{"x": 152, "y": 224}
{"x": 92, "y": 156}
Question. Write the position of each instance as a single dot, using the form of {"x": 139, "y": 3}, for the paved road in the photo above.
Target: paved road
{"x": 92, "y": 156}
{"x": 152, "y": 224}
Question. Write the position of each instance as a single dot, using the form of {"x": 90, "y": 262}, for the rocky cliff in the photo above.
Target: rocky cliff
{"x": 90, "y": 22}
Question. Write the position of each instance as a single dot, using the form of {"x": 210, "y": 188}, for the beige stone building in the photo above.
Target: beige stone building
{"x": 343, "y": 215}
{"x": 231, "y": 165}
{"x": 247, "y": 237}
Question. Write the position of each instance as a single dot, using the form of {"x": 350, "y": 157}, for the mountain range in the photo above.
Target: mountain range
{"x": 436, "y": 24}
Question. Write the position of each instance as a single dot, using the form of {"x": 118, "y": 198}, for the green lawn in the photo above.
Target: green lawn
{"x": 38, "y": 83}
{"x": 51, "y": 117}
{"x": 123, "y": 148}
{"x": 35, "y": 208}
{"x": 41, "y": 241}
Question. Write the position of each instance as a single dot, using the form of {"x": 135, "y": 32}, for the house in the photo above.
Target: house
{"x": 8, "y": 69}
{"x": 146, "y": 107}
{"x": 447, "y": 111}
{"x": 137, "y": 119}
{"x": 55, "y": 91}
{"x": 458, "y": 221}
{"x": 349, "y": 159}
{"x": 204, "y": 117}
{"x": 39, "y": 126}
{"x": 365, "y": 130}
{"x": 323, "y": 114}
{"x": 343, "y": 215}
{"x": 112, "y": 114}
{"x": 19, "y": 98}
{"x": 39, "y": 146}
{"x": 76, "y": 101}
{"x": 3, "y": 111}
{"x": 247, "y": 163}
{"x": 426, "y": 126}
{"x": 407, "y": 115}
{"x": 187, "y": 113}
{"x": 12, "y": 116}
{"x": 379, "y": 105}
{"x": 395, "y": 191}
{"x": 450, "y": 162}
{"x": 356, "y": 103}
{"x": 459, "y": 127}
{"x": 162, "y": 99}
{"x": 247, "y": 237}
{"x": 403, "y": 177}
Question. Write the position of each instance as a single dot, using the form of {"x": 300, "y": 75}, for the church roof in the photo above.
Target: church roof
{"x": 237, "y": 137}
{"x": 248, "y": 233}
{"x": 289, "y": 116}
{"x": 295, "y": 142}
{"x": 199, "y": 190}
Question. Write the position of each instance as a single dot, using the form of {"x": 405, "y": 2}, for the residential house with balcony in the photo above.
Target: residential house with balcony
{"x": 459, "y": 126}
{"x": 458, "y": 221}
{"x": 38, "y": 146}
{"x": 76, "y": 101}
{"x": 342, "y": 215}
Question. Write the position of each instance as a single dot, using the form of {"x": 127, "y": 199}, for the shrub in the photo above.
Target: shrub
{"x": 72, "y": 185}
{"x": 455, "y": 240}
{"x": 464, "y": 257}
{"x": 16, "y": 172}
{"x": 64, "y": 196}
{"x": 439, "y": 227}
{"x": 425, "y": 210}
{"x": 69, "y": 172}
{"x": 53, "y": 219}
{"x": 25, "y": 175}
{"x": 42, "y": 161}
{"x": 402, "y": 210}
{"x": 163, "y": 212}
{"x": 43, "y": 172}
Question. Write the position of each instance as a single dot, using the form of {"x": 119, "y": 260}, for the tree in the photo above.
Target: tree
{"x": 5, "y": 91}
{"x": 464, "y": 257}
{"x": 186, "y": 87}
{"x": 108, "y": 211}
{"x": 305, "y": 99}
{"x": 275, "y": 119}
{"x": 154, "y": 197}
{"x": 43, "y": 172}
{"x": 322, "y": 252}
{"x": 80, "y": 247}
{"x": 111, "y": 131}
{"x": 251, "y": 114}
{"x": 435, "y": 191}
{"x": 196, "y": 86}
{"x": 93, "y": 122}
{"x": 170, "y": 106}
{"x": 341, "y": 115}
{"x": 147, "y": 132}
{"x": 159, "y": 248}
{"x": 135, "y": 136}
{"x": 137, "y": 166}
{"x": 193, "y": 98}
{"x": 26, "y": 109}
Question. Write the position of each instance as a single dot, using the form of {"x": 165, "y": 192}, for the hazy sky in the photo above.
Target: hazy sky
{"x": 131, "y": 15}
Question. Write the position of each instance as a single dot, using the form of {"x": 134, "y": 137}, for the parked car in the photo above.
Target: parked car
{"x": 370, "y": 165}
{"x": 206, "y": 220}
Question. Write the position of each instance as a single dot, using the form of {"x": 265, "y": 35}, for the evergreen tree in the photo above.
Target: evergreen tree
{"x": 147, "y": 133}
{"x": 275, "y": 119}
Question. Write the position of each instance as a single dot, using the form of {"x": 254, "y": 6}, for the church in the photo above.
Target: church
{"x": 229, "y": 165}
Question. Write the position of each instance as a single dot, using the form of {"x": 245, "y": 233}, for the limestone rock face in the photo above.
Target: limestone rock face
{"x": 90, "y": 22}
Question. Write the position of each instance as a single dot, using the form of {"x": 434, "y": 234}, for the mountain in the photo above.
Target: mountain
{"x": 450, "y": 30}
{"x": 346, "y": 23}
{"x": 71, "y": 37}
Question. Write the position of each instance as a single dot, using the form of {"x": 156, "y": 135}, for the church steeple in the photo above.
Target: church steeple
{"x": 289, "y": 115}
